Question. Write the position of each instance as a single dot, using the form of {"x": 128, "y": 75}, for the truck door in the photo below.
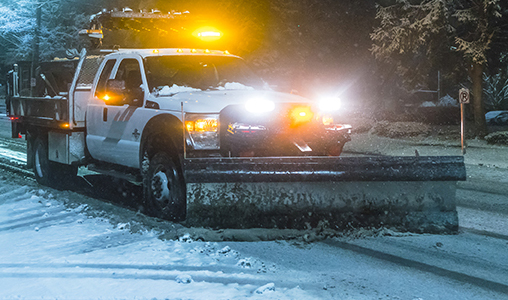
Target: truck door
{"x": 114, "y": 126}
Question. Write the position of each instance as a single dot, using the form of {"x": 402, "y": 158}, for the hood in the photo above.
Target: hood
{"x": 215, "y": 101}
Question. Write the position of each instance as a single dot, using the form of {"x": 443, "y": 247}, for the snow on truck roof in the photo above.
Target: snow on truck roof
{"x": 171, "y": 51}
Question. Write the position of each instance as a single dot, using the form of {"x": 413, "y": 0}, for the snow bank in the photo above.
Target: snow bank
{"x": 497, "y": 117}
{"x": 500, "y": 138}
{"x": 400, "y": 129}
{"x": 447, "y": 101}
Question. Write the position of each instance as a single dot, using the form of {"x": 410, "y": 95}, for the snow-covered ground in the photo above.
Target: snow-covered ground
{"x": 68, "y": 245}
{"x": 54, "y": 246}
{"x": 51, "y": 251}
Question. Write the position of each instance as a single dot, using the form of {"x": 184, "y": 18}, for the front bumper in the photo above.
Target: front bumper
{"x": 242, "y": 139}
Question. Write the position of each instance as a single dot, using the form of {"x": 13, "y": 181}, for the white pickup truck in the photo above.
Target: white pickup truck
{"x": 145, "y": 114}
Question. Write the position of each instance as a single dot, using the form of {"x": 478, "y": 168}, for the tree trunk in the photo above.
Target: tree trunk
{"x": 480, "y": 124}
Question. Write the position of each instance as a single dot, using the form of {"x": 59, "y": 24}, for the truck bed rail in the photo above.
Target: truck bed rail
{"x": 40, "y": 110}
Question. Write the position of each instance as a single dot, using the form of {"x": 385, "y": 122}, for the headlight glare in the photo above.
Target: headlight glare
{"x": 259, "y": 105}
{"x": 329, "y": 104}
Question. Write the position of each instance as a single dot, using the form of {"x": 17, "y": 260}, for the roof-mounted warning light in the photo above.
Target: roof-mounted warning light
{"x": 207, "y": 34}
{"x": 92, "y": 33}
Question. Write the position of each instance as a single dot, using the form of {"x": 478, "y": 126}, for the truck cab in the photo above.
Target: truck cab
{"x": 227, "y": 110}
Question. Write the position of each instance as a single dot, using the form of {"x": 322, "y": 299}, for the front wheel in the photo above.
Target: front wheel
{"x": 164, "y": 189}
{"x": 47, "y": 172}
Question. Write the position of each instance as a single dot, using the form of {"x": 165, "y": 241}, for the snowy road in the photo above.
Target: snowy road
{"x": 71, "y": 245}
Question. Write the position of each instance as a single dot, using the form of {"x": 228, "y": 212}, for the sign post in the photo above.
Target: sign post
{"x": 463, "y": 99}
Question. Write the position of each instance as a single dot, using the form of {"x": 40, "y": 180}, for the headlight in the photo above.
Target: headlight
{"x": 203, "y": 131}
{"x": 259, "y": 105}
{"x": 202, "y": 125}
{"x": 329, "y": 104}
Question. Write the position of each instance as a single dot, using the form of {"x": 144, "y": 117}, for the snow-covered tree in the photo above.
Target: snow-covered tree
{"x": 58, "y": 32}
{"x": 418, "y": 36}
{"x": 17, "y": 21}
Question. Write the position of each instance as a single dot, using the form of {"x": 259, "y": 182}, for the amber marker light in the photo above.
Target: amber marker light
{"x": 106, "y": 97}
{"x": 179, "y": 51}
{"x": 156, "y": 51}
{"x": 189, "y": 125}
{"x": 65, "y": 125}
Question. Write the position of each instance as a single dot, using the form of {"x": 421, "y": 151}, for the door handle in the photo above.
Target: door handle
{"x": 105, "y": 114}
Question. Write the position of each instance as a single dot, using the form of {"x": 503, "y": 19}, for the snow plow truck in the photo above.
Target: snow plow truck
{"x": 212, "y": 146}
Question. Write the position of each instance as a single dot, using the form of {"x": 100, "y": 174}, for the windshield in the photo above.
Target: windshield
{"x": 188, "y": 73}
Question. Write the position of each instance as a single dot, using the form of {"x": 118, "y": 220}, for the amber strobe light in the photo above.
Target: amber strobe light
{"x": 207, "y": 34}
{"x": 301, "y": 114}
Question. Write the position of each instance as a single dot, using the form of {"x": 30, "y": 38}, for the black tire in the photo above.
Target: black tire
{"x": 47, "y": 172}
{"x": 164, "y": 190}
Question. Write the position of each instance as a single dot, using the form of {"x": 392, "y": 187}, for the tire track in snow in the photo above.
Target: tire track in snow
{"x": 483, "y": 283}
{"x": 40, "y": 222}
{"x": 171, "y": 267}
{"x": 17, "y": 145}
{"x": 485, "y": 233}
{"x": 20, "y": 217}
{"x": 197, "y": 276}
{"x": 14, "y": 195}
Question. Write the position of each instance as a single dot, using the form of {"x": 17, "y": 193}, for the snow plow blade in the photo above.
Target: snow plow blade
{"x": 409, "y": 193}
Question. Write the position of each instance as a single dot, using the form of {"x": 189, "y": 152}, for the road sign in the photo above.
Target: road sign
{"x": 463, "y": 99}
{"x": 464, "y": 95}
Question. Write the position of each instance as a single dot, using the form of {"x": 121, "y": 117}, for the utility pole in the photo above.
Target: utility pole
{"x": 35, "y": 53}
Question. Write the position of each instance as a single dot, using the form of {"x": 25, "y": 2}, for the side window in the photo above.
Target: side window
{"x": 129, "y": 72}
{"x": 106, "y": 72}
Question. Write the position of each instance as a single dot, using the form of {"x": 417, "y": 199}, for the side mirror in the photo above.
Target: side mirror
{"x": 136, "y": 97}
{"x": 115, "y": 92}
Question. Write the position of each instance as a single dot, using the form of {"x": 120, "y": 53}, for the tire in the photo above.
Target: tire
{"x": 47, "y": 172}
{"x": 164, "y": 188}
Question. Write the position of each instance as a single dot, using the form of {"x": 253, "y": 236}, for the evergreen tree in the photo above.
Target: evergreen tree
{"x": 419, "y": 36}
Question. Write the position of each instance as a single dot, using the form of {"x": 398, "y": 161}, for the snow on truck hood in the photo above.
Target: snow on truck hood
{"x": 198, "y": 101}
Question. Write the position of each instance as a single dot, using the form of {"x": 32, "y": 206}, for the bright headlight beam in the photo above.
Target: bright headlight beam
{"x": 329, "y": 104}
{"x": 259, "y": 106}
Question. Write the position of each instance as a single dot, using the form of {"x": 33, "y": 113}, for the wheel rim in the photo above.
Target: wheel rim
{"x": 162, "y": 186}
{"x": 38, "y": 167}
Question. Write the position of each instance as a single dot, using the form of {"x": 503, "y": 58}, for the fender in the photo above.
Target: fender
{"x": 169, "y": 133}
